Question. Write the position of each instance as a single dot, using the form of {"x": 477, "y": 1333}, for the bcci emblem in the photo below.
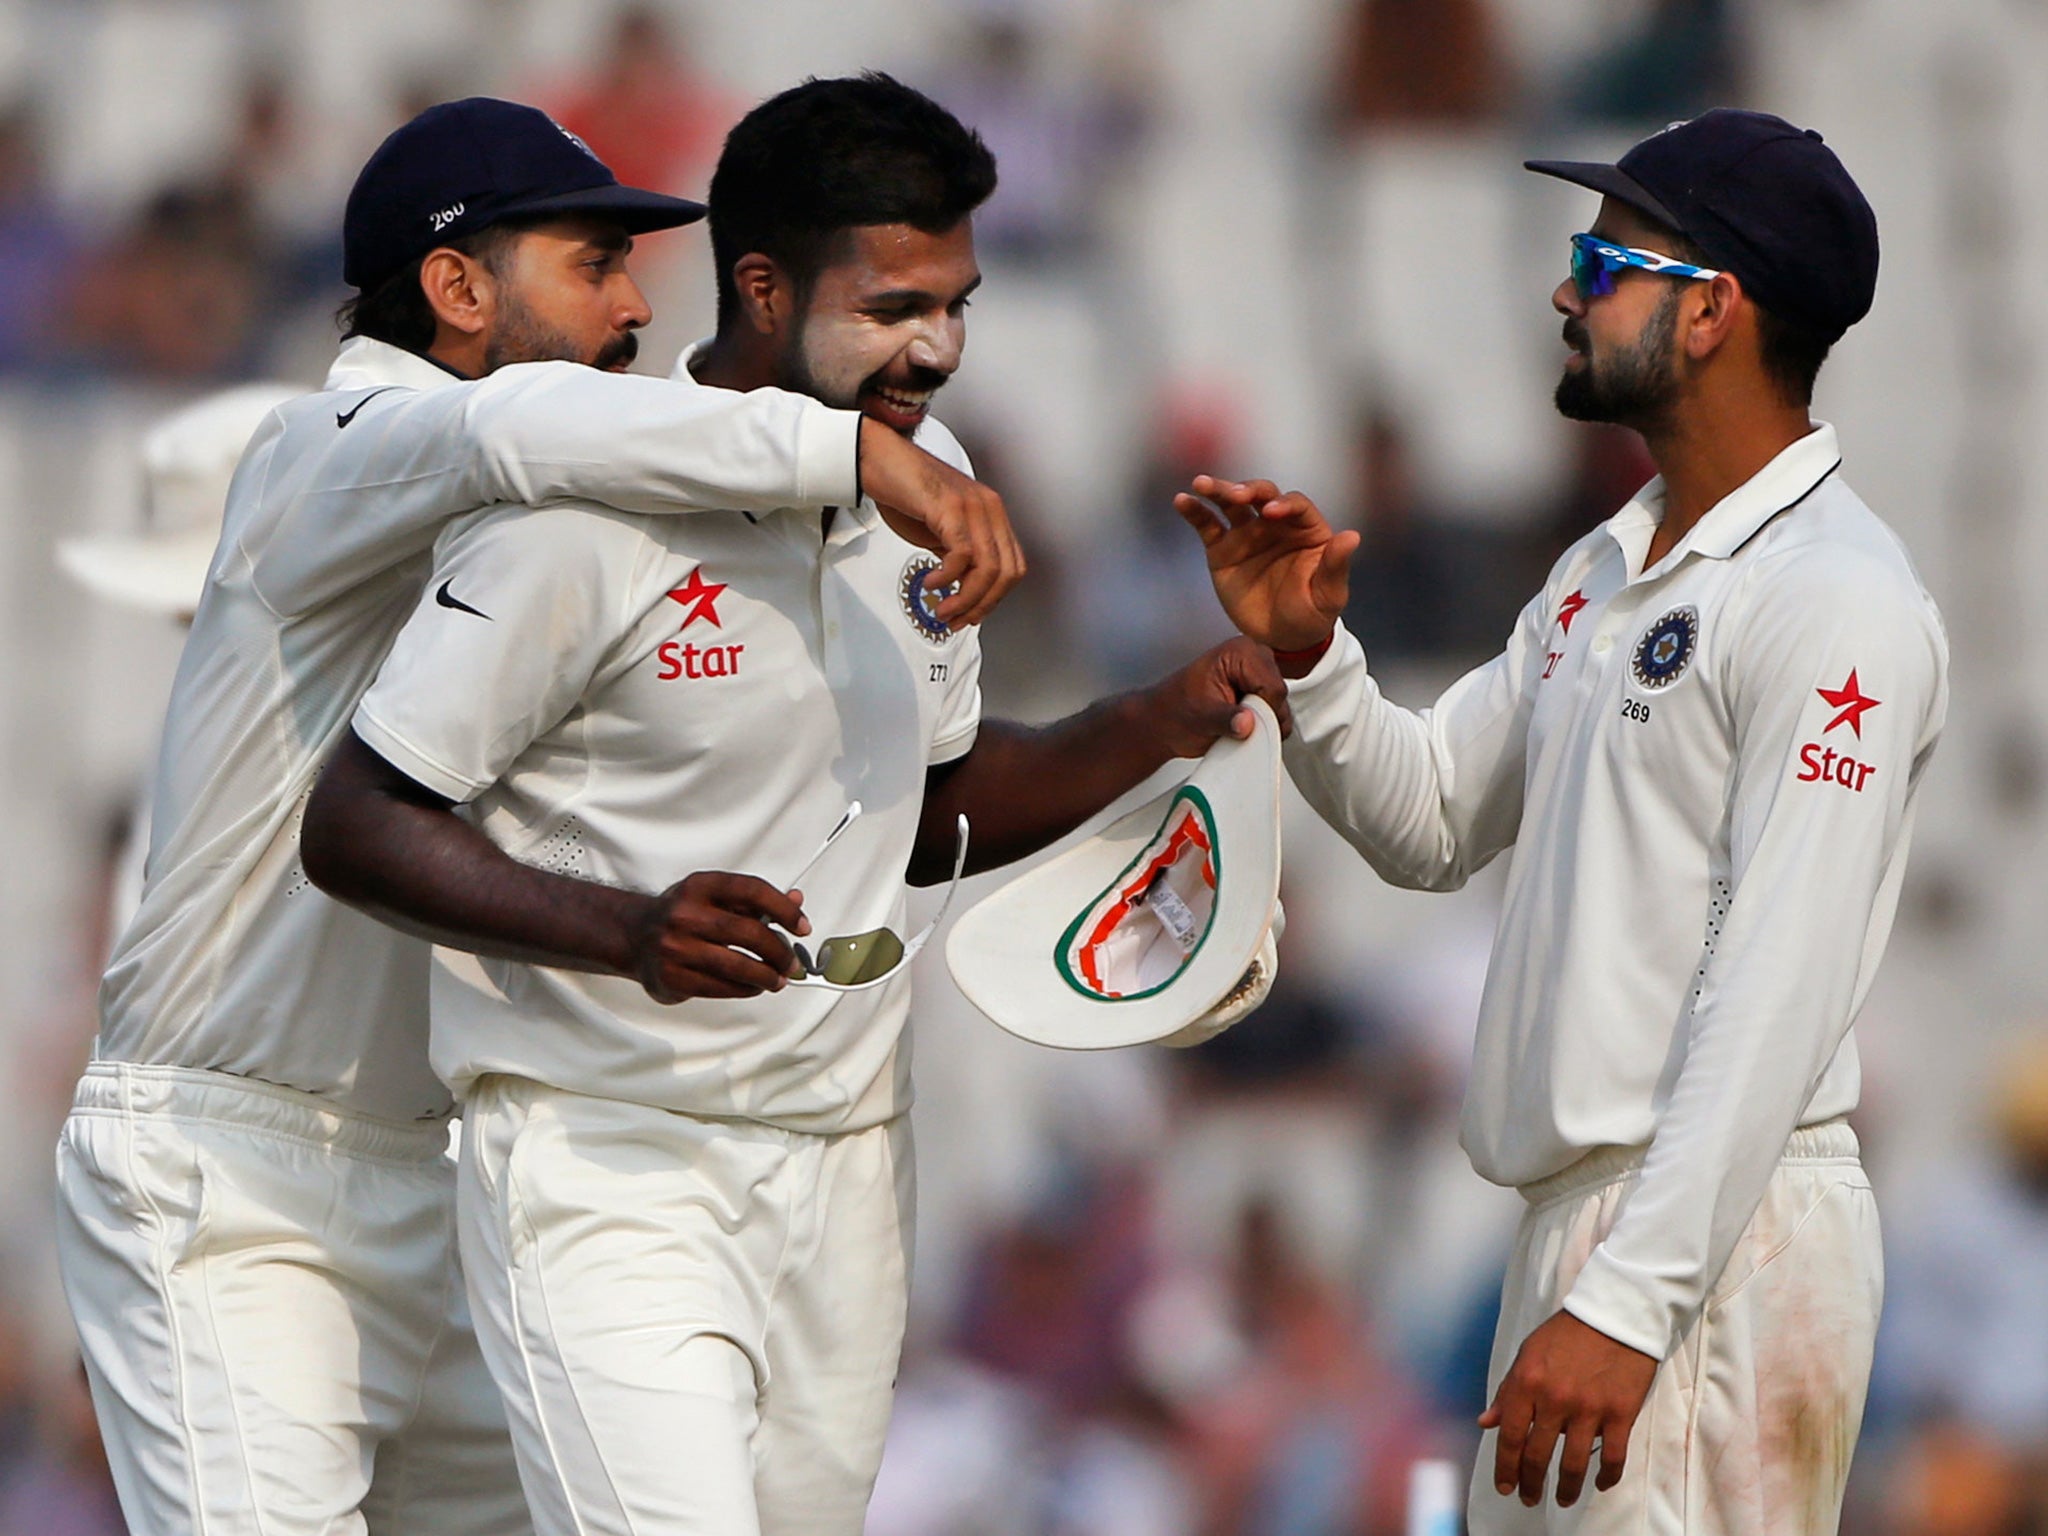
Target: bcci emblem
{"x": 918, "y": 599}
{"x": 1663, "y": 654}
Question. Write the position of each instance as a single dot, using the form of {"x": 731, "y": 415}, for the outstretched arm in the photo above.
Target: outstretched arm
{"x": 1022, "y": 788}
{"x": 363, "y": 487}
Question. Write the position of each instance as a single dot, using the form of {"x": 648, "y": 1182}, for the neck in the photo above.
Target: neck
{"x": 734, "y": 360}
{"x": 1706, "y": 450}
{"x": 459, "y": 354}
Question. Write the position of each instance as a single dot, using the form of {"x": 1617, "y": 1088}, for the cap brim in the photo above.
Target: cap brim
{"x": 162, "y": 574}
{"x": 640, "y": 211}
{"x": 1008, "y": 953}
{"x": 1610, "y": 180}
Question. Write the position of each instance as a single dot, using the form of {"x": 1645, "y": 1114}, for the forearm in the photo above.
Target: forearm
{"x": 1426, "y": 799}
{"x": 377, "y": 841}
{"x": 1024, "y": 787}
{"x": 552, "y": 430}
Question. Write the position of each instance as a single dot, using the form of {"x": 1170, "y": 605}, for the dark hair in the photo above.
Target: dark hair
{"x": 397, "y": 311}
{"x": 828, "y": 155}
{"x": 1791, "y": 353}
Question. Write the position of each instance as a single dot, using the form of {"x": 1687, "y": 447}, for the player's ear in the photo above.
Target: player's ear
{"x": 767, "y": 297}
{"x": 1722, "y": 303}
{"x": 458, "y": 289}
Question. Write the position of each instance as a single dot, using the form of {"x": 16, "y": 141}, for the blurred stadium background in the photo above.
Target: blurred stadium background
{"x": 1239, "y": 1289}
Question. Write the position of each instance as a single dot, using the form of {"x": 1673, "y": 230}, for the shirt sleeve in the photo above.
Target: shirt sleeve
{"x": 523, "y": 608}
{"x": 377, "y": 490}
{"x": 1428, "y": 798}
{"x": 960, "y": 712}
{"x": 1836, "y": 692}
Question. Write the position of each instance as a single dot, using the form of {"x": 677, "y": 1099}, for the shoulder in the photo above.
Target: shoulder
{"x": 937, "y": 439}
{"x": 1835, "y": 559}
{"x": 575, "y": 534}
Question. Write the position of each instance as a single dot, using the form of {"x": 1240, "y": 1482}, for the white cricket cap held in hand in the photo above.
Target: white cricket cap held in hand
{"x": 187, "y": 461}
{"x": 1158, "y": 929}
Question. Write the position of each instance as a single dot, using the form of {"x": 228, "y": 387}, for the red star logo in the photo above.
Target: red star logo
{"x": 1851, "y": 701}
{"x": 1569, "y": 610}
{"x": 698, "y": 596}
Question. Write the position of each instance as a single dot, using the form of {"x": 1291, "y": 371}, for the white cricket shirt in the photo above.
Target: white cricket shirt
{"x": 636, "y": 699}
{"x": 1707, "y": 773}
{"x": 233, "y": 962}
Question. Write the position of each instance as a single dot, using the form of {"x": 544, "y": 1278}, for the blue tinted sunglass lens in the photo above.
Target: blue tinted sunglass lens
{"x": 1591, "y": 275}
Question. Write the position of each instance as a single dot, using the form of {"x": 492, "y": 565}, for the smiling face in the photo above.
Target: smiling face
{"x": 1624, "y": 364}
{"x": 885, "y": 321}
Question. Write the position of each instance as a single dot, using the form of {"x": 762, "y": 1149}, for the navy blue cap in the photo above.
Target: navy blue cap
{"x": 1765, "y": 200}
{"x": 464, "y": 165}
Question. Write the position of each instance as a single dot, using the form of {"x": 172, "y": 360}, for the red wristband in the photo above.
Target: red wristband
{"x": 1303, "y": 661}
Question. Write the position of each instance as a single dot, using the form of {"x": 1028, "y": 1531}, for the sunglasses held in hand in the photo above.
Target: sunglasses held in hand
{"x": 853, "y": 962}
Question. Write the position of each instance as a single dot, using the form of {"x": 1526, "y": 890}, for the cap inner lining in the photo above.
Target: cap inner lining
{"x": 1142, "y": 932}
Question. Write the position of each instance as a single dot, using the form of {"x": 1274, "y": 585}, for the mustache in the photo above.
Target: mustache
{"x": 618, "y": 352}
{"x": 921, "y": 379}
{"x": 1575, "y": 336}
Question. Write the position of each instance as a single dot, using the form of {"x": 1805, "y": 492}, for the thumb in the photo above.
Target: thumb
{"x": 1332, "y": 579}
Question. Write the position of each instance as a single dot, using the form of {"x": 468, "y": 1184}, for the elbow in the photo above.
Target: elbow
{"x": 321, "y": 845}
{"x": 332, "y": 849}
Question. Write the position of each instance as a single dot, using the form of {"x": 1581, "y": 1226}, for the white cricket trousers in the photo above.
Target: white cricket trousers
{"x": 272, "y": 1314}
{"x": 695, "y": 1323}
{"x": 1752, "y": 1419}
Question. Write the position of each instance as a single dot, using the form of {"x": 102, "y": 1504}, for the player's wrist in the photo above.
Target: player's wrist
{"x": 1298, "y": 651}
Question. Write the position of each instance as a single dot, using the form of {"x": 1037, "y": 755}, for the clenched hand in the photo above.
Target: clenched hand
{"x": 934, "y": 506}
{"x": 708, "y": 936}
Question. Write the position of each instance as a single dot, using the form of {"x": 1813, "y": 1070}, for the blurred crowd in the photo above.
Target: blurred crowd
{"x": 1235, "y": 1291}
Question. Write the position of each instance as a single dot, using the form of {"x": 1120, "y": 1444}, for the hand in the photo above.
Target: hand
{"x": 1281, "y": 572}
{"x": 702, "y": 935}
{"x": 1205, "y": 699}
{"x": 932, "y": 505}
{"x": 1569, "y": 1379}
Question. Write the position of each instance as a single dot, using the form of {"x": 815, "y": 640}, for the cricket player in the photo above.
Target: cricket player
{"x": 1703, "y": 744}
{"x": 686, "y": 1187}
{"x": 255, "y": 1207}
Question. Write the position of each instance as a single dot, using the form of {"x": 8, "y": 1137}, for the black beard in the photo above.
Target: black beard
{"x": 520, "y": 338}
{"x": 793, "y": 373}
{"x": 1635, "y": 387}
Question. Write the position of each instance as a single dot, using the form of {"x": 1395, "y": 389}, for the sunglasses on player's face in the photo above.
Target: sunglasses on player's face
{"x": 853, "y": 962}
{"x": 1595, "y": 263}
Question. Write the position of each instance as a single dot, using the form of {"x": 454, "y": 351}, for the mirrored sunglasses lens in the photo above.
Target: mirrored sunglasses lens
{"x": 852, "y": 959}
{"x": 1592, "y": 276}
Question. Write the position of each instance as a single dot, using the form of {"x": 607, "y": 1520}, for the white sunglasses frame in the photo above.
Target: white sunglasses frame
{"x": 911, "y": 945}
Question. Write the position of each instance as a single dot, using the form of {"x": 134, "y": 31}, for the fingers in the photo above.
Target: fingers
{"x": 1536, "y": 1452}
{"x": 1613, "y": 1452}
{"x": 1236, "y": 499}
{"x": 1200, "y": 516}
{"x": 688, "y": 969}
{"x": 1510, "y": 1413}
{"x": 994, "y": 558}
{"x": 935, "y": 507}
{"x": 1330, "y": 582}
{"x": 1571, "y": 1466}
{"x": 710, "y": 938}
{"x": 747, "y": 895}
{"x": 1251, "y": 669}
